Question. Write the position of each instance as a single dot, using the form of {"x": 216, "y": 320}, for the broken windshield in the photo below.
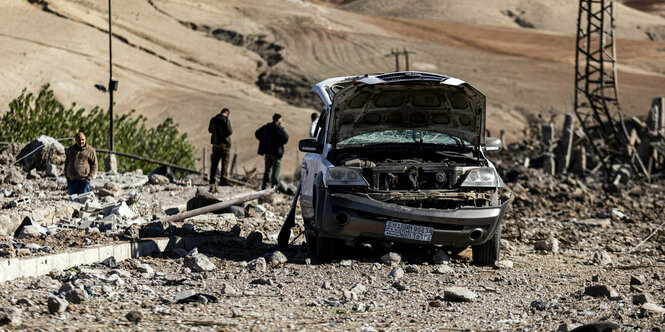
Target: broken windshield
{"x": 404, "y": 136}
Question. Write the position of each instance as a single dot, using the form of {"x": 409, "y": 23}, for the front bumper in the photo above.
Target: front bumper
{"x": 367, "y": 219}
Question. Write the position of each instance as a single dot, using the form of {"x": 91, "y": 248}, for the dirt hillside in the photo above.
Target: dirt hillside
{"x": 188, "y": 59}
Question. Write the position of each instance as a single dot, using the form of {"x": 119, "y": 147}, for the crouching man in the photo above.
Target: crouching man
{"x": 80, "y": 165}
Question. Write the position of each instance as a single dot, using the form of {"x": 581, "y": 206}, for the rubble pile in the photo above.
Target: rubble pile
{"x": 577, "y": 249}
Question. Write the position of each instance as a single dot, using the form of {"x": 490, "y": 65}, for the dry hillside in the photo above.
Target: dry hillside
{"x": 187, "y": 59}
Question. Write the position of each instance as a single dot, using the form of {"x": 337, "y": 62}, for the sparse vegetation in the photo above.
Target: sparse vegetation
{"x": 30, "y": 116}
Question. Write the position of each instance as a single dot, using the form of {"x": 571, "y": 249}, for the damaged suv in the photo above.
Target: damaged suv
{"x": 400, "y": 157}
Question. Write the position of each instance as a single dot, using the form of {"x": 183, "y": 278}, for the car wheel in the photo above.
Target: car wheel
{"x": 311, "y": 239}
{"x": 488, "y": 252}
{"x": 328, "y": 248}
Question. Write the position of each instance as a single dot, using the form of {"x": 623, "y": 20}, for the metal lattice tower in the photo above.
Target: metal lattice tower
{"x": 596, "y": 97}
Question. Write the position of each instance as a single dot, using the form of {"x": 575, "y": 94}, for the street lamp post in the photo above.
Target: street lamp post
{"x": 110, "y": 162}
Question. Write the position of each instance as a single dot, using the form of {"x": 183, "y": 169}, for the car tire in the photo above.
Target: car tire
{"x": 488, "y": 252}
{"x": 328, "y": 248}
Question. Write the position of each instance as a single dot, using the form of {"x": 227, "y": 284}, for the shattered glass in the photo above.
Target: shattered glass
{"x": 404, "y": 136}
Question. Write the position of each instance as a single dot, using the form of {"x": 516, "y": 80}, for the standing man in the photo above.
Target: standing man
{"x": 312, "y": 127}
{"x": 80, "y": 165}
{"x": 220, "y": 128}
{"x": 272, "y": 138}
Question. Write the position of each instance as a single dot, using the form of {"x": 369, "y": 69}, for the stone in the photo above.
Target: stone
{"x": 236, "y": 230}
{"x": 643, "y": 298}
{"x": 24, "y": 302}
{"x": 551, "y": 244}
{"x": 436, "y": 304}
{"x": 398, "y": 285}
{"x": 238, "y": 211}
{"x": 649, "y": 309}
{"x": 396, "y": 273}
{"x": 349, "y": 295}
{"x": 327, "y": 285}
{"x": 10, "y": 316}
{"x": 258, "y": 264}
{"x": 66, "y": 288}
{"x": 255, "y": 237}
{"x": 391, "y": 258}
{"x": 602, "y": 258}
{"x": 504, "y": 264}
{"x": 443, "y": 269}
{"x": 199, "y": 263}
{"x": 358, "y": 289}
{"x": 277, "y": 258}
{"x": 33, "y": 174}
{"x": 145, "y": 268}
{"x": 261, "y": 281}
{"x": 228, "y": 289}
{"x": 187, "y": 227}
{"x": 134, "y": 316}
{"x": 538, "y": 305}
{"x": 440, "y": 257}
{"x": 76, "y": 296}
{"x": 412, "y": 269}
{"x": 52, "y": 171}
{"x": 637, "y": 280}
{"x": 601, "y": 291}
{"x": 121, "y": 210}
{"x": 459, "y": 294}
{"x": 121, "y": 273}
{"x": 46, "y": 283}
{"x": 158, "y": 179}
{"x": 46, "y": 150}
{"x": 359, "y": 307}
{"x": 56, "y": 304}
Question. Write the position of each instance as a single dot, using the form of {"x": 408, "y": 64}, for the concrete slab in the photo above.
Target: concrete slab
{"x": 13, "y": 268}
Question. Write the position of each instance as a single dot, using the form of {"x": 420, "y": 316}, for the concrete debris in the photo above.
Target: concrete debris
{"x": 52, "y": 170}
{"x": 41, "y": 151}
{"x": 158, "y": 179}
{"x": 199, "y": 263}
{"x": 396, "y": 273}
{"x": 277, "y": 258}
{"x": 20, "y": 202}
{"x": 56, "y": 304}
{"x": 601, "y": 291}
{"x": 258, "y": 264}
{"x": 391, "y": 258}
{"x": 76, "y": 296}
{"x": 649, "y": 309}
{"x": 11, "y": 316}
{"x": 551, "y": 244}
{"x": 602, "y": 258}
{"x": 504, "y": 264}
{"x": 459, "y": 294}
{"x": 443, "y": 269}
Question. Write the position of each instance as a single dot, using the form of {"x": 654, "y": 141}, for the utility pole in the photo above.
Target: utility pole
{"x": 406, "y": 56}
{"x": 395, "y": 52}
{"x": 110, "y": 163}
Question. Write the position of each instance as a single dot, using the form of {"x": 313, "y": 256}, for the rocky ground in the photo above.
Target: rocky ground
{"x": 575, "y": 251}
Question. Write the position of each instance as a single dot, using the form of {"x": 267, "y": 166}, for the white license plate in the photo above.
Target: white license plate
{"x": 408, "y": 232}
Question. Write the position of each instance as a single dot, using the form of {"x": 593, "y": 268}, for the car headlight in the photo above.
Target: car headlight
{"x": 481, "y": 177}
{"x": 343, "y": 176}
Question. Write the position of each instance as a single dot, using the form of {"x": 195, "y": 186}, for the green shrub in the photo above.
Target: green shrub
{"x": 30, "y": 116}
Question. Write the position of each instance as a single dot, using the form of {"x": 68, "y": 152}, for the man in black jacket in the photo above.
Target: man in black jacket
{"x": 272, "y": 138}
{"x": 220, "y": 128}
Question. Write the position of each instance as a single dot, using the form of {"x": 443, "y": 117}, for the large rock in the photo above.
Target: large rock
{"x": 10, "y": 316}
{"x": 158, "y": 179}
{"x": 51, "y": 151}
{"x": 56, "y": 304}
{"x": 199, "y": 263}
{"x": 76, "y": 296}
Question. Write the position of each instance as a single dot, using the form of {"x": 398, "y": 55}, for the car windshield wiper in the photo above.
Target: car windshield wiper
{"x": 453, "y": 154}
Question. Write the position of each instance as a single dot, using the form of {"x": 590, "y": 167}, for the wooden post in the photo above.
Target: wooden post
{"x": 548, "y": 139}
{"x": 565, "y": 144}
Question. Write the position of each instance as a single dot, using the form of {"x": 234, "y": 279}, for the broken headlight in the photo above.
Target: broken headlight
{"x": 343, "y": 176}
{"x": 481, "y": 177}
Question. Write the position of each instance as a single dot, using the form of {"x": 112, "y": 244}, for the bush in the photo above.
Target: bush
{"x": 30, "y": 116}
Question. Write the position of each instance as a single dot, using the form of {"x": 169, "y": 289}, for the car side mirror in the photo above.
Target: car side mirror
{"x": 309, "y": 145}
{"x": 493, "y": 144}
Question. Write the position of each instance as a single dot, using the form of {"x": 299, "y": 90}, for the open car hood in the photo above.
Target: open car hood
{"x": 403, "y": 100}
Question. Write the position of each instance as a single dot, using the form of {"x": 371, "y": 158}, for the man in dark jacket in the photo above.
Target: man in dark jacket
{"x": 272, "y": 138}
{"x": 80, "y": 165}
{"x": 220, "y": 128}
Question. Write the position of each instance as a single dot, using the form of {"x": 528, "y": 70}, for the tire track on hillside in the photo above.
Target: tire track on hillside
{"x": 121, "y": 66}
{"x": 44, "y": 5}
